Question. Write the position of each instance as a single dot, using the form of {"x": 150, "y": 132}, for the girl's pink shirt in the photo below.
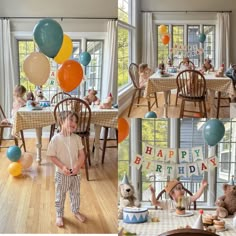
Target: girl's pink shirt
{"x": 17, "y": 104}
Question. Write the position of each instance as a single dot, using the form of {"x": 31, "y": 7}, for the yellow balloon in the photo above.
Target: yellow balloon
{"x": 65, "y": 50}
{"x": 162, "y": 29}
{"x": 37, "y": 68}
{"x": 15, "y": 168}
{"x": 26, "y": 160}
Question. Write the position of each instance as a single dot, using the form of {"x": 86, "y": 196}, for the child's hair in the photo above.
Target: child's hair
{"x": 19, "y": 91}
{"x": 142, "y": 67}
{"x": 67, "y": 114}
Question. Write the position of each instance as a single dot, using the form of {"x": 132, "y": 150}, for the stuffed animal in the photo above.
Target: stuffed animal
{"x": 39, "y": 95}
{"x": 91, "y": 97}
{"x": 127, "y": 196}
{"x": 108, "y": 103}
{"x": 226, "y": 204}
{"x": 220, "y": 72}
{"x": 207, "y": 66}
{"x": 30, "y": 99}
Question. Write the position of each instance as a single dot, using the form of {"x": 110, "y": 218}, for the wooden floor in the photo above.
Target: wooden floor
{"x": 173, "y": 111}
{"x": 27, "y": 202}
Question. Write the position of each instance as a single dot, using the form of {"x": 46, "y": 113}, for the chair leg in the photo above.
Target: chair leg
{"x": 139, "y": 95}
{"x": 218, "y": 105}
{"x": 132, "y": 101}
{"x": 52, "y": 129}
{"x": 1, "y": 135}
{"x": 156, "y": 101}
{"x": 104, "y": 143}
{"x": 23, "y": 139}
{"x": 205, "y": 110}
{"x": 176, "y": 99}
{"x": 182, "y": 109}
{"x": 88, "y": 150}
{"x": 86, "y": 168}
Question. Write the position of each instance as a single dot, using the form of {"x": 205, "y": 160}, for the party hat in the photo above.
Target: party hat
{"x": 198, "y": 223}
{"x": 125, "y": 179}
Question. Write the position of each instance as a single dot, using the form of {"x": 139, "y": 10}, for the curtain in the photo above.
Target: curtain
{"x": 148, "y": 42}
{"x": 111, "y": 65}
{"x": 223, "y": 37}
{"x": 7, "y": 73}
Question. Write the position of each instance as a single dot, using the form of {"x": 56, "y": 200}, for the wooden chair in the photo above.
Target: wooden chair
{"x": 55, "y": 99}
{"x": 180, "y": 65}
{"x": 6, "y": 124}
{"x": 219, "y": 99}
{"x": 188, "y": 231}
{"x": 134, "y": 75}
{"x": 163, "y": 193}
{"x": 191, "y": 86}
{"x": 83, "y": 110}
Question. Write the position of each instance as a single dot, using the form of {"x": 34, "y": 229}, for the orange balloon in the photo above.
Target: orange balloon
{"x": 165, "y": 39}
{"x": 69, "y": 75}
{"x": 123, "y": 129}
{"x": 162, "y": 29}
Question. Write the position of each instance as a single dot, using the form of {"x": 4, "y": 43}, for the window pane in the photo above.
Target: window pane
{"x": 123, "y": 10}
{"x": 123, "y": 56}
{"x": 178, "y": 40}
{"x": 162, "y": 50}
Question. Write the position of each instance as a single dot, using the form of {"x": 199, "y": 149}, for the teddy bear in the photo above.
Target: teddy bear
{"x": 226, "y": 204}
{"x": 127, "y": 196}
{"x": 108, "y": 103}
{"x": 39, "y": 95}
{"x": 220, "y": 72}
{"x": 207, "y": 66}
{"x": 91, "y": 97}
{"x": 30, "y": 99}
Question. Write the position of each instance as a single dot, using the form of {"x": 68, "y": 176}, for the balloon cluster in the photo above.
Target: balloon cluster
{"x": 19, "y": 161}
{"x": 165, "y": 38}
{"x": 53, "y": 43}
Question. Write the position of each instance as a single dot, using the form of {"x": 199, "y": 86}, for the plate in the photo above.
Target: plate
{"x": 35, "y": 108}
{"x": 187, "y": 213}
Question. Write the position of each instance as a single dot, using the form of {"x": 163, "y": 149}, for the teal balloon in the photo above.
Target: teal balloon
{"x": 213, "y": 131}
{"x": 150, "y": 114}
{"x": 48, "y": 35}
{"x": 84, "y": 58}
{"x": 13, "y": 153}
{"x": 202, "y": 38}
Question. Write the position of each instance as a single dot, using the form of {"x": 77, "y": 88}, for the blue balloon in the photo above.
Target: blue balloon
{"x": 84, "y": 58}
{"x": 13, "y": 153}
{"x": 48, "y": 35}
{"x": 213, "y": 131}
{"x": 150, "y": 114}
{"x": 202, "y": 38}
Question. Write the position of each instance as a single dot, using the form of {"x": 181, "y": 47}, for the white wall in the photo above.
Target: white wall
{"x": 196, "y": 5}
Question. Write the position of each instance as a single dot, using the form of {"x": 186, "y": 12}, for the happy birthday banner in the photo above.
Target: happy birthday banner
{"x": 190, "y": 50}
{"x": 163, "y": 161}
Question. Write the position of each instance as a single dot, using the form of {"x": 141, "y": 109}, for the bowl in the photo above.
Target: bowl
{"x": 135, "y": 215}
{"x": 44, "y": 103}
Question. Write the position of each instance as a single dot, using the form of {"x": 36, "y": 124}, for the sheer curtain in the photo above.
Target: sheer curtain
{"x": 223, "y": 39}
{"x": 148, "y": 45}
{"x": 7, "y": 73}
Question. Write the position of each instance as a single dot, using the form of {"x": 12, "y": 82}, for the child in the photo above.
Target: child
{"x": 144, "y": 73}
{"x": 186, "y": 65}
{"x": 66, "y": 152}
{"x": 19, "y": 101}
{"x": 175, "y": 190}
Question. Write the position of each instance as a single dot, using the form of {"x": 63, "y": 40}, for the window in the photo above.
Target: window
{"x": 125, "y": 41}
{"x": 184, "y": 42}
{"x": 93, "y": 70}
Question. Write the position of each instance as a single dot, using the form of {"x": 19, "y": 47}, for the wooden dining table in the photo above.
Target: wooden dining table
{"x": 159, "y": 83}
{"x": 37, "y": 119}
{"x": 168, "y": 220}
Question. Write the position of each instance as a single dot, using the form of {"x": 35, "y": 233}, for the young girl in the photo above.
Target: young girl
{"x": 19, "y": 101}
{"x": 175, "y": 190}
{"x": 144, "y": 73}
{"x": 66, "y": 152}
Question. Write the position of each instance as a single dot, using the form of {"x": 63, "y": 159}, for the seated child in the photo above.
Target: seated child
{"x": 186, "y": 65}
{"x": 175, "y": 190}
{"x": 231, "y": 73}
{"x": 144, "y": 73}
{"x": 19, "y": 100}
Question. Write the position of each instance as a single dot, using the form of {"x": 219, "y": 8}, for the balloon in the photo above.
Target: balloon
{"x": 15, "y": 168}
{"x": 48, "y": 35}
{"x": 213, "y": 131}
{"x": 13, "y": 153}
{"x": 84, "y": 58}
{"x": 37, "y": 68}
{"x": 65, "y": 51}
{"x": 69, "y": 75}
{"x": 202, "y": 38}
{"x": 123, "y": 129}
{"x": 165, "y": 39}
{"x": 150, "y": 114}
{"x": 26, "y": 160}
{"x": 162, "y": 29}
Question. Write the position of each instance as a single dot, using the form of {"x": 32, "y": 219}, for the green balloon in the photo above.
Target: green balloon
{"x": 213, "y": 131}
{"x": 150, "y": 114}
{"x": 48, "y": 35}
{"x": 202, "y": 38}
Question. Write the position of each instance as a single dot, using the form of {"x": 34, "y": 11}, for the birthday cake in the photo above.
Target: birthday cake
{"x": 172, "y": 69}
{"x": 135, "y": 215}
